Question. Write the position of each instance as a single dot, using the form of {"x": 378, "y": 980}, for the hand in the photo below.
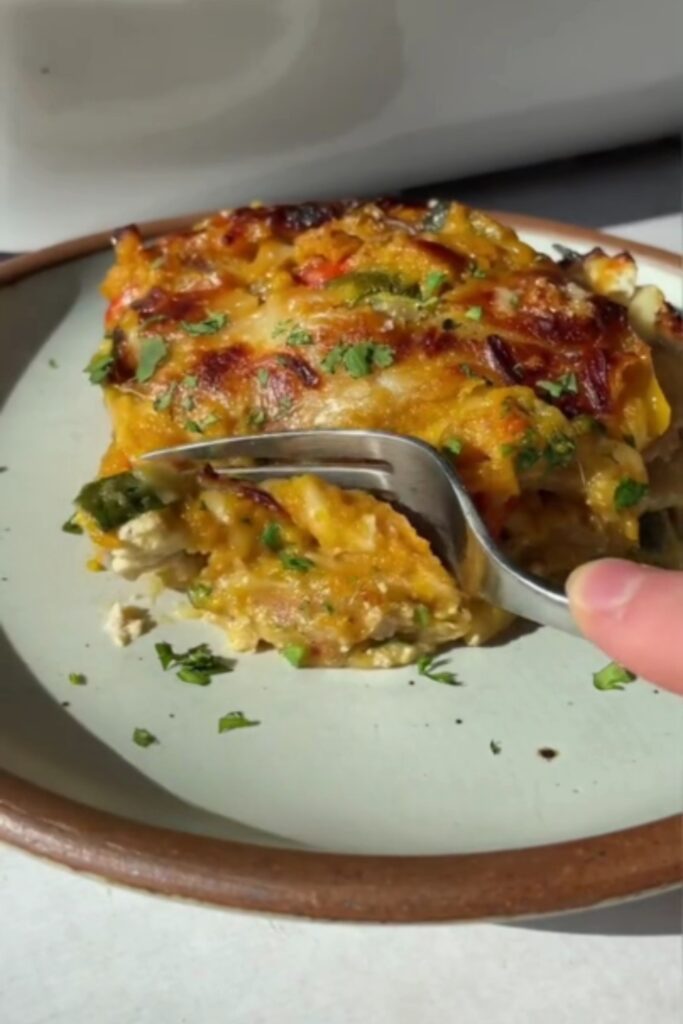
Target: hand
{"x": 635, "y": 614}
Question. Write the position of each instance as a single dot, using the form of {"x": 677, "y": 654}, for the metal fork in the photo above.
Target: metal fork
{"x": 414, "y": 476}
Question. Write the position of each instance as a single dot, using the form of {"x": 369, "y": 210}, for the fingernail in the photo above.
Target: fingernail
{"x": 604, "y": 586}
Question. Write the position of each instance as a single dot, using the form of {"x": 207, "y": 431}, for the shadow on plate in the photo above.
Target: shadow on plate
{"x": 652, "y": 915}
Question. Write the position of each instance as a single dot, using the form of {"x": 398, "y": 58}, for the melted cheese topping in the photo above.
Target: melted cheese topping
{"x": 428, "y": 320}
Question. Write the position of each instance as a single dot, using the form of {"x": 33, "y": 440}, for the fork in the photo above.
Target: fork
{"x": 417, "y": 479}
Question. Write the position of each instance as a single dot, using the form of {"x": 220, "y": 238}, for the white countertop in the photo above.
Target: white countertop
{"x": 74, "y": 949}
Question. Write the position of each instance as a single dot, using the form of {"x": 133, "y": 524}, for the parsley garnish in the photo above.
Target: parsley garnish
{"x": 359, "y": 359}
{"x": 190, "y": 382}
{"x": 257, "y": 418}
{"x": 297, "y": 336}
{"x": 560, "y": 451}
{"x": 427, "y": 667}
{"x": 114, "y": 500}
{"x": 235, "y": 720}
{"x": 433, "y": 284}
{"x": 144, "y": 738}
{"x": 99, "y": 367}
{"x": 263, "y": 376}
{"x": 197, "y": 665}
{"x": 495, "y": 747}
{"x": 628, "y": 493}
{"x": 163, "y": 401}
{"x": 453, "y": 445}
{"x": 198, "y": 593}
{"x": 567, "y": 384}
{"x": 199, "y": 426}
{"x": 299, "y": 563}
{"x": 436, "y": 217}
{"x": 612, "y": 677}
{"x": 214, "y": 323}
{"x": 474, "y": 313}
{"x": 152, "y": 352}
{"x": 422, "y": 615}
{"x": 77, "y": 679}
{"x": 296, "y": 654}
{"x": 272, "y": 536}
{"x": 71, "y": 526}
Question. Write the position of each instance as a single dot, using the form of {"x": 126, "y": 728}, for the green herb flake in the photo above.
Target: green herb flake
{"x": 153, "y": 351}
{"x": 144, "y": 738}
{"x": 360, "y": 359}
{"x": 495, "y": 747}
{"x": 77, "y": 679}
{"x": 628, "y": 493}
{"x": 474, "y": 313}
{"x": 263, "y": 376}
{"x": 200, "y": 426}
{"x": 271, "y": 536}
{"x": 53, "y": 364}
{"x": 235, "y": 720}
{"x": 567, "y": 384}
{"x": 296, "y": 654}
{"x": 560, "y": 450}
{"x": 427, "y": 666}
{"x": 612, "y": 677}
{"x": 71, "y": 526}
{"x": 214, "y": 323}
{"x": 257, "y": 418}
{"x": 453, "y": 445}
{"x": 199, "y": 593}
{"x": 436, "y": 216}
{"x": 433, "y": 284}
{"x": 333, "y": 359}
{"x": 298, "y": 563}
{"x": 329, "y": 607}
{"x": 297, "y": 336}
{"x": 190, "y": 382}
{"x": 196, "y": 665}
{"x": 163, "y": 401}
{"x": 99, "y": 367}
{"x": 422, "y": 615}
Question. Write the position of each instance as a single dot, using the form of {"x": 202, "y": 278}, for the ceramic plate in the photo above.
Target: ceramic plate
{"x": 375, "y": 795}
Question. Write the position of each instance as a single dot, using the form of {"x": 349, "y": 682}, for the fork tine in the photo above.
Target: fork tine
{"x": 363, "y": 478}
{"x": 304, "y": 444}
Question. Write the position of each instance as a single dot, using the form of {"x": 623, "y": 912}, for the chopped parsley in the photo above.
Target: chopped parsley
{"x": 433, "y": 284}
{"x": 99, "y": 367}
{"x": 359, "y": 359}
{"x": 71, "y": 526}
{"x": 197, "y": 665}
{"x": 437, "y": 215}
{"x": 560, "y": 450}
{"x": 453, "y": 445}
{"x": 526, "y": 455}
{"x": 214, "y": 323}
{"x": 271, "y": 536}
{"x": 612, "y": 677}
{"x": 144, "y": 738}
{"x": 474, "y": 313}
{"x": 628, "y": 493}
{"x": 153, "y": 351}
{"x": 198, "y": 593}
{"x": 190, "y": 382}
{"x": 77, "y": 679}
{"x": 422, "y": 615}
{"x": 199, "y": 426}
{"x": 235, "y": 720}
{"x": 495, "y": 747}
{"x": 257, "y": 418}
{"x": 297, "y": 336}
{"x": 163, "y": 401}
{"x": 299, "y": 563}
{"x": 567, "y": 384}
{"x": 263, "y": 376}
{"x": 296, "y": 654}
{"x": 114, "y": 500}
{"x": 427, "y": 666}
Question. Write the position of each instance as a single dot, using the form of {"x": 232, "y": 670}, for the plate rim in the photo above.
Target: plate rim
{"x": 503, "y": 884}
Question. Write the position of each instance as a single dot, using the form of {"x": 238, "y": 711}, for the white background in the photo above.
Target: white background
{"x": 73, "y": 950}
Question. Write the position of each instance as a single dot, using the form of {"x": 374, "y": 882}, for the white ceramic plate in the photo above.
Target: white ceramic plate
{"x": 344, "y": 761}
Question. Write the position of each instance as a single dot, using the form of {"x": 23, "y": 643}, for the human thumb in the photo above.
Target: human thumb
{"x": 635, "y": 614}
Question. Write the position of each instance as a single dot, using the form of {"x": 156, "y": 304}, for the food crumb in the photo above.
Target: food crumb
{"x": 458, "y": 721}
{"x": 547, "y": 753}
{"x": 66, "y": 703}
{"x": 411, "y": 682}
{"x": 495, "y": 747}
{"x": 126, "y": 623}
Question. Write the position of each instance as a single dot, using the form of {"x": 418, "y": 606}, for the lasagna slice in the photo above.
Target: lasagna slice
{"x": 428, "y": 319}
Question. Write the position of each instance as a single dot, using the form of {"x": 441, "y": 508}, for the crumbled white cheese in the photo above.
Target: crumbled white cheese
{"x": 126, "y": 623}
{"x": 148, "y": 542}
